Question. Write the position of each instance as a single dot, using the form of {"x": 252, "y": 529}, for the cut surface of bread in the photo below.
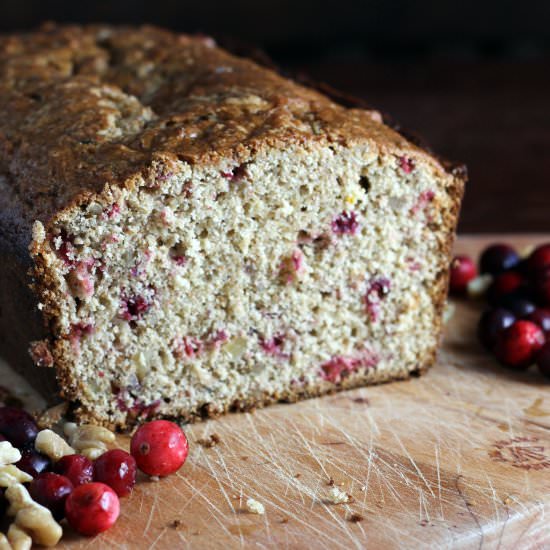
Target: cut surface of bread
{"x": 206, "y": 235}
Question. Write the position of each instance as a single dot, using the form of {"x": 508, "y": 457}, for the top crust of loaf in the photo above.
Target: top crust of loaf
{"x": 84, "y": 108}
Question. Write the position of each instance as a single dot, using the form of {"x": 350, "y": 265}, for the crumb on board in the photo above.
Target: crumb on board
{"x": 331, "y": 482}
{"x": 337, "y": 496}
{"x": 154, "y": 478}
{"x": 355, "y": 518}
{"x": 210, "y": 441}
{"x": 176, "y": 524}
{"x": 255, "y": 507}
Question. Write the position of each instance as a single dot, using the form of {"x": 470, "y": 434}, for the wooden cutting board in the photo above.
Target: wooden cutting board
{"x": 457, "y": 458}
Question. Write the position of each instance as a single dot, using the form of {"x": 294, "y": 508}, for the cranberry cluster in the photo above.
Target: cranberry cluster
{"x": 516, "y": 326}
{"x": 87, "y": 493}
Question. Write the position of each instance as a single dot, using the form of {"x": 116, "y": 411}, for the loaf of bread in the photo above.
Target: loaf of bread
{"x": 184, "y": 232}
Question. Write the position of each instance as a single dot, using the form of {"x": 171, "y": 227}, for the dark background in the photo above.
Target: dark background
{"x": 472, "y": 77}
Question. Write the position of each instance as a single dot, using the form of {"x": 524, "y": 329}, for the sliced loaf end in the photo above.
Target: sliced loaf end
{"x": 289, "y": 272}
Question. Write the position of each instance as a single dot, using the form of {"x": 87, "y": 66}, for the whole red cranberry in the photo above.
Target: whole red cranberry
{"x": 78, "y": 468}
{"x": 518, "y": 345}
{"x": 539, "y": 259}
{"x": 541, "y": 317}
{"x": 541, "y": 286}
{"x": 543, "y": 359}
{"x": 463, "y": 270}
{"x": 504, "y": 285}
{"x": 498, "y": 258}
{"x": 51, "y": 490}
{"x": 92, "y": 508}
{"x": 17, "y": 426}
{"x": 159, "y": 447}
{"x": 491, "y": 323}
{"x": 117, "y": 469}
{"x": 33, "y": 463}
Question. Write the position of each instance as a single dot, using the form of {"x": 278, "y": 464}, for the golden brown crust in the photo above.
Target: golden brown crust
{"x": 84, "y": 106}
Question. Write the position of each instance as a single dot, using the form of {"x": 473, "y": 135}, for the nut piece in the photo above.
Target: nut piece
{"x": 337, "y": 496}
{"x": 36, "y": 520}
{"x": 88, "y": 439}
{"x": 38, "y": 232}
{"x": 8, "y": 453}
{"x": 11, "y": 474}
{"x": 19, "y": 498}
{"x": 18, "y": 539}
{"x": 39, "y": 523}
{"x": 52, "y": 445}
{"x": 255, "y": 507}
{"x": 478, "y": 286}
{"x": 4, "y": 544}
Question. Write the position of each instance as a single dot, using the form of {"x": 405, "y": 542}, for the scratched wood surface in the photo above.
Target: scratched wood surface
{"x": 459, "y": 458}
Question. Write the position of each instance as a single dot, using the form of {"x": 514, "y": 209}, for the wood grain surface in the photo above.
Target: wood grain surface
{"x": 459, "y": 458}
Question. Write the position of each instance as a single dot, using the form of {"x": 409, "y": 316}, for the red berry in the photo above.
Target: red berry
{"x": 541, "y": 317}
{"x": 133, "y": 308}
{"x": 406, "y": 164}
{"x": 543, "y": 359}
{"x": 159, "y": 447}
{"x": 78, "y": 468}
{"x": 92, "y": 508}
{"x": 345, "y": 223}
{"x": 51, "y": 490}
{"x": 117, "y": 469}
{"x": 498, "y": 258}
{"x": 33, "y": 462}
{"x": 539, "y": 259}
{"x": 517, "y": 346}
{"x": 17, "y": 426}
{"x": 491, "y": 323}
{"x": 503, "y": 285}
{"x": 463, "y": 270}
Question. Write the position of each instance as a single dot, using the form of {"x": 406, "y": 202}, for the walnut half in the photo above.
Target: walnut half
{"x": 87, "y": 439}
{"x": 31, "y": 517}
{"x": 52, "y": 445}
